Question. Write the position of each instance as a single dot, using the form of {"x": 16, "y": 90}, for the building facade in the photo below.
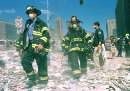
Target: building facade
{"x": 123, "y": 17}
{"x": 7, "y": 31}
{"x": 111, "y": 27}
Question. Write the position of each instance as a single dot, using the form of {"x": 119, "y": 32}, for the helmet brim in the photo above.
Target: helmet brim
{"x": 38, "y": 12}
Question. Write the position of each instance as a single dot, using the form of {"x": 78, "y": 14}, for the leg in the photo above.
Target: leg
{"x": 27, "y": 59}
{"x": 126, "y": 51}
{"x": 120, "y": 52}
{"x": 42, "y": 66}
{"x": 117, "y": 51}
{"x": 69, "y": 61}
{"x": 113, "y": 52}
{"x": 96, "y": 57}
{"x": 83, "y": 62}
{"x": 73, "y": 58}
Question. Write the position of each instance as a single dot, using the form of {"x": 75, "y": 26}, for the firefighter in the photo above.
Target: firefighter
{"x": 35, "y": 45}
{"x": 119, "y": 46}
{"x": 75, "y": 47}
{"x": 127, "y": 44}
{"x": 99, "y": 47}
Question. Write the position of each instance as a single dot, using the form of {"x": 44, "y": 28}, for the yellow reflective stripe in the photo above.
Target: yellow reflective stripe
{"x": 45, "y": 29}
{"x": 87, "y": 35}
{"x": 21, "y": 43}
{"x": 75, "y": 49}
{"x": 77, "y": 39}
{"x": 126, "y": 34}
{"x": 63, "y": 45}
{"x": 17, "y": 42}
{"x": 46, "y": 50}
{"x": 76, "y": 72}
{"x": 17, "y": 45}
{"x": 34, "y": 45}
{"x": 44, "y": 39}
{"x": 44, "y": 78}
{"x": 66, "y": 38}
{"x": 31, "y": 73}
{"x": 63, "y": 39}
{"x": 82, "y": 49}
{"x": 37, "y": 33}
{"x": 66, "y": 46}
{"x": 90, "y": 41}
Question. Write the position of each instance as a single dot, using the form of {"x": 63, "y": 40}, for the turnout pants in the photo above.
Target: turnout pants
{"x": 28, "y": 57}
{"x": 78, "y": 62}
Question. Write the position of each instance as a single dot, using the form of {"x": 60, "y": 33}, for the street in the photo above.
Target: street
{"x": 113, "y": 77}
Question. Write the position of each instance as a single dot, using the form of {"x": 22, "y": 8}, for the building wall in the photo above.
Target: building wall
{"x": 11, "y": 33}
{"x": 123, "y": 17}
{"x": 7, "y": 31}
{"x": 111, "y": 27}
{"x": 127, "y": 7}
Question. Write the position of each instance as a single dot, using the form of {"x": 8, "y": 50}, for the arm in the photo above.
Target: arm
{"x": 44, "y": 39}
{"x": 44, "y": 36}
{"x": 65, "y": 43}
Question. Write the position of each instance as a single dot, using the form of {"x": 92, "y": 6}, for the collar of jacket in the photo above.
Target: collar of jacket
{"x": 29, "y": 22}
{"x": 98, "y": 29}
{"x": 79, "y": 29}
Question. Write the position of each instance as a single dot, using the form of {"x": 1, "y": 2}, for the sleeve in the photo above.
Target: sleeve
{"x": 66, "y": 43}
{"x": 87, "y": 36}
{"x": 45, "y": 38}
{"x": 43, "y": 32}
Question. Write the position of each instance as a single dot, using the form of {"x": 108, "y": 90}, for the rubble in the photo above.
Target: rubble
{"x": 111, "y": 77}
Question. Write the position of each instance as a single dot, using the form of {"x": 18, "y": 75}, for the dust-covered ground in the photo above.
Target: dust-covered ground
{"x": 113, "y": 77}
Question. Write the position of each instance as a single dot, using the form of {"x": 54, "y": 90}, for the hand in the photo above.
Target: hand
{"x": 96, "y": 49}
{"x": 99, "y": 46}
{"x": 40, "y": 47}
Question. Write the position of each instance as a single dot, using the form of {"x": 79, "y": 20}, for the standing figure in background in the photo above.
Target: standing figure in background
{"x": 74, "y": 44}
{"x": 119, "y": 46}
{"x": 127, "y": 44}
{"x": 113, "y": 46}
{"x": 99, "y": 47}
{"x": 123, "y": 47}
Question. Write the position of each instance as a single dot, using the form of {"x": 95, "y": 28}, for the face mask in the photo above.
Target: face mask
{"x": 94, "y": 26}
{"x": 74, "y": 26}
{"x": 32, "y": 16}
